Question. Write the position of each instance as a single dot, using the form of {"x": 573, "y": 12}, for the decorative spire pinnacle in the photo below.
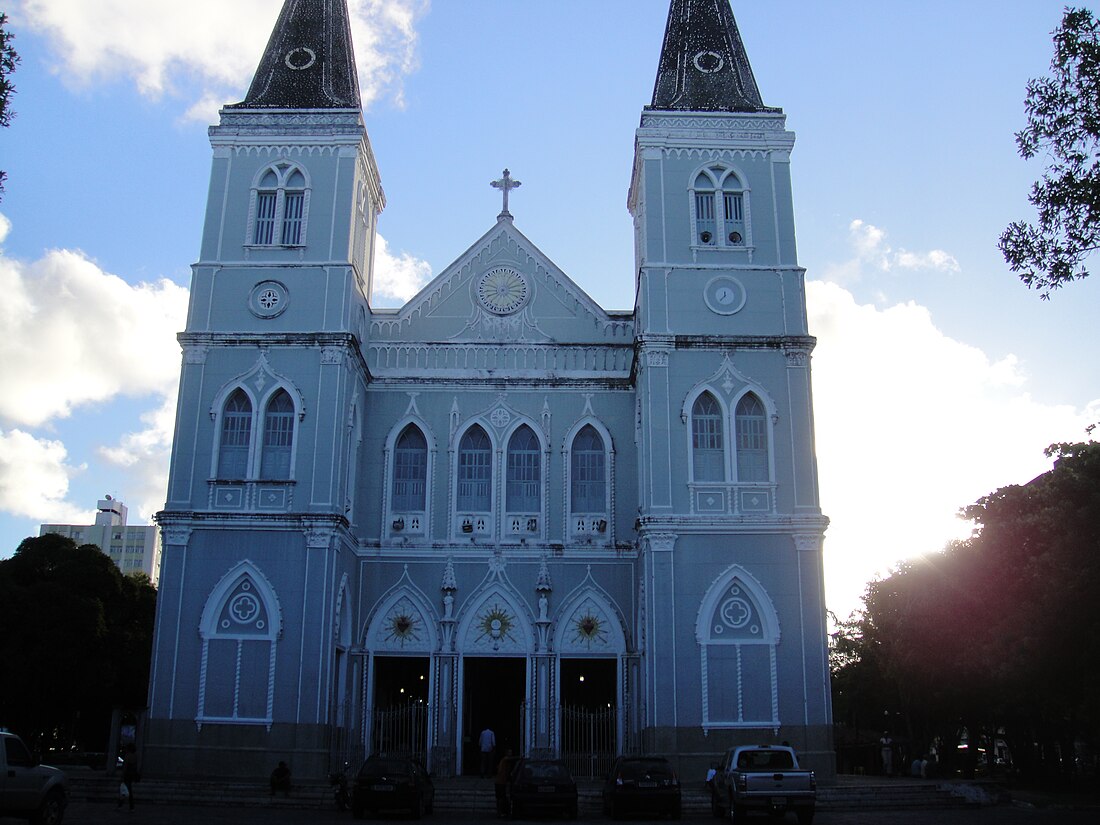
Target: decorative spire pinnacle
{"x": 309, "y": 62}
{"x": 704, "y": 66}
{"x": 507, "y": 184}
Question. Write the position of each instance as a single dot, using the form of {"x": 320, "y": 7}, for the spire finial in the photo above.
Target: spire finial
{"x": 507, "y": 184}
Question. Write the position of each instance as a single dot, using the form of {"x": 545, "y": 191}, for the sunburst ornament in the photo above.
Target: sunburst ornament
{"x": 495, "y": 625}
{"x": 589, "y": 630}
{"x": 402, "y": 628}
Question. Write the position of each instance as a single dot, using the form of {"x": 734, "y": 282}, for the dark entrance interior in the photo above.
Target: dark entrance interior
{"x": 588, "y": 683}
{"x": 400, "y": 715}
{"x": 493, "y": 694}
{"x": 589, "y": 715}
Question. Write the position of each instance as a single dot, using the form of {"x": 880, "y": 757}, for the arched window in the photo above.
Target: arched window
{"x": 752, "y": 439}
{"x": 410, "y": 471}
{"x": 236, "y": 436}
{"x": 708, "y": 453}
{"x": 719, "y": 208}
{"x": 278, "y": 437}
{"x": 588, "y": 473}
{"x": 279, "y": 206}
{"x": 475, "y": 472}
{"x": 524, "y": 476}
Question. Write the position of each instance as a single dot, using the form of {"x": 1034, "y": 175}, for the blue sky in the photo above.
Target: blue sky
{"x": 938, "y": 377}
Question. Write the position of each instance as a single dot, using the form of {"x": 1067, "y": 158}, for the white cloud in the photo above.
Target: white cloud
{"x": 144, "y": 455}
{"x": 397, "y": 277}
{"x": 209, "y": 46}
{"x": 870, "y": 250}
{"x": 34, "y": 479}
{"x": 912, "y": 426}
{"x": 76, "y": 335}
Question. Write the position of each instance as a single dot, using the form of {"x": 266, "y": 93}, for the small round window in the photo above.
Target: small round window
{"x": 269, "y": 299}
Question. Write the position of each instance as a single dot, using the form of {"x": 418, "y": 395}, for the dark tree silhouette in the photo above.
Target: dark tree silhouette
{"x": 9, "y": 59}
{"x": 1063, "y": 123}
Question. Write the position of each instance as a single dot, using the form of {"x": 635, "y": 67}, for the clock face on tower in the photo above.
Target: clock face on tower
{"x": 502, "y": 290}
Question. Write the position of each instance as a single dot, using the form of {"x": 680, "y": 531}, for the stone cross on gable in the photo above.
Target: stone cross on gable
{"x": 507, "y": 184}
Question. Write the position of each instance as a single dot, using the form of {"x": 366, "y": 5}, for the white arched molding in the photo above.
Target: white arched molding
{"x": 732, "y": 496}
{"x": 403, "y": 622}
{"x": 521, "y": 527}
{"x": 282, "y": 222}
{"x": 595, "y": 529}
{"x": 720, "y": 176}
{"x": 260, "y": 384}
{"x": 397, "y": 524}
{"x": 478, "y": 526}
{"x": 738, "y": 632}
{"x": 494, "y": 621}
{"x": 240, "y": 628}
{"x": 588, "y": 624}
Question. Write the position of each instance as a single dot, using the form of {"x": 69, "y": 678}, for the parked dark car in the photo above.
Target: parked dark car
{"x": 542, "y": 785}
{"x": 392, "y": 783}
{"x": 645, "y": 784}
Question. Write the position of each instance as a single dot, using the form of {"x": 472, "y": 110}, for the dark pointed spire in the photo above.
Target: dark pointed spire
{"x": 704, "y": 67}
{"x": 309, "y": 62}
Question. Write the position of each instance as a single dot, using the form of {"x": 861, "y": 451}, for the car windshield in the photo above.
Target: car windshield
{"x": 765, "y": 760}
{"x": 391, "y": 767}
{"x": 544, "y": 772}
{"x": 653, "y": 767}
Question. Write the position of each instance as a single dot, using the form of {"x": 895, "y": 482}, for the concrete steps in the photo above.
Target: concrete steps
{"x": 476, "y": 795}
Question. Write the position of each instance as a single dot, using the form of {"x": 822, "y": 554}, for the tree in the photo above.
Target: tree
{"x": 9, "y": 59}
{"x": 1063, "y": 122}
{"x": 997, "y": 635}
{"x": 77, "y": 642}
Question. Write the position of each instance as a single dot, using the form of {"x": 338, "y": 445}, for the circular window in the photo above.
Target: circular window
{"x": 502, "y": 290}
{"x": 269, "y": 299}
{"x": 300, "y": 58}
{"x": 708, "y": 62}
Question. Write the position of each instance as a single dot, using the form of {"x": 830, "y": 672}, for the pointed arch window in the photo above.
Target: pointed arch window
{"x": 280, "y": 203}
{"x": 410, "y": 471}
{"x": 588, "y": 473}
{"x": 707, "y": 442}
{"x": 278, "y": 442}
{"x": 236, "y": 436}
{"x": 752, "y": 439}
{"x": 524, "y": 472}
{"x": 720, "y": 208}
{"x": 475, "y": 472}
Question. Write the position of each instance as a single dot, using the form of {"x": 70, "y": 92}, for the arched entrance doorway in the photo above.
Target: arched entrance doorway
{"x": 494, "y": 696}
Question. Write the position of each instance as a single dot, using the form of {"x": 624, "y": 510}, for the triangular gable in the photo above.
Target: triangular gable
{"x": 503, "y": 288}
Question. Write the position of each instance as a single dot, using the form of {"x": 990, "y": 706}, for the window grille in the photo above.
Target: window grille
{"x": 278, "y": 437}
{"x": 410, "y": 471}
{"x": 708, "y": 454}
{"x": 524, "y": 472}
{"x": 236, "y": 436}
{"x": 752, "y": 440}
{"x": 475, "y": 472}
{"x": 588, "y": 473}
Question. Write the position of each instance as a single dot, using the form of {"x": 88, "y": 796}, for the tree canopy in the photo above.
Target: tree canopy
{"x": 76, "y": 642}
{"x": 997, "y": 635}
{"x": 1063, "y": 123}
{"x": 9, "y": 59}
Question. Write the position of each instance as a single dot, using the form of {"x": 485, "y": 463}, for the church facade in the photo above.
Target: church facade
{"x": 499, "y": 505}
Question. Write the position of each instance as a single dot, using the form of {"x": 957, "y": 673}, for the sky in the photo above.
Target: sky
{"x": 938, "y": 377}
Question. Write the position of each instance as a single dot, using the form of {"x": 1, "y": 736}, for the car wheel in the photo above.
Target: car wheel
{"x": 52, "y": 809}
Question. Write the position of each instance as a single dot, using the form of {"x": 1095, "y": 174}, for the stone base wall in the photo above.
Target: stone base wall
{"x": 181, "y": 749}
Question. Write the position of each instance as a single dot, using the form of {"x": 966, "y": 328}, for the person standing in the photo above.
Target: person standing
{"x": 129, "y": 775}
{"x": 886, "y": 747}
{"x": 501, "y": 783}
{"x": 487, "y": 743}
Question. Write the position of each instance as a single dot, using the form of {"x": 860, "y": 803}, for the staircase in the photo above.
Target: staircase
{"x": 474, "y": 795}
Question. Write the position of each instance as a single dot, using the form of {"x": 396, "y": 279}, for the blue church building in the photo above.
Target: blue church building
{"x": 500, "y": 505}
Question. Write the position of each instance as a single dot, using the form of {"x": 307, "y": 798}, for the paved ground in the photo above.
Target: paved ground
{"x": 84, "y": 813}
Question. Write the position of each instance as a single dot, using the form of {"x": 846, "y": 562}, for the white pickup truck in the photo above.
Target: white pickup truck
{"x": 764, "y": 779}
{"x": 29, "y": 790}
